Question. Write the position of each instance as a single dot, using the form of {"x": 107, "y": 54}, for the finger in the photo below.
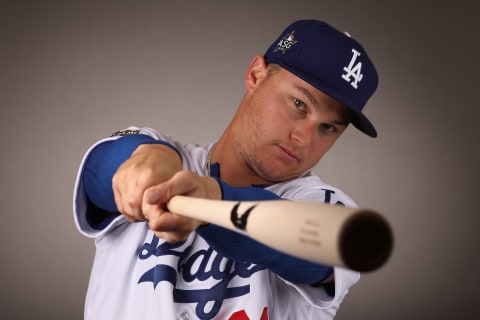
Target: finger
{"x": 152, "y": 212}
{"x": 164, "y": 221}
{"x": 182, "y": 182}
{"x": 129, "y": 187}
{"x": 117, "y": 195}
{"x": 152, "y": 204}
{"x": 129, "y": 206}
{"x": 151, "y": 196}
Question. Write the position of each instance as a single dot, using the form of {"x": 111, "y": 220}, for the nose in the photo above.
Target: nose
{"x": 302, "y": 134}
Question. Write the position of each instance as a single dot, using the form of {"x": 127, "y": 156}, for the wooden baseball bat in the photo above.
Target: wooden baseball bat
{"x": 352, "y": 238}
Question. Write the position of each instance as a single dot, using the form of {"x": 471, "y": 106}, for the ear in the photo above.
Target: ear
{"x": 256, "y": 72}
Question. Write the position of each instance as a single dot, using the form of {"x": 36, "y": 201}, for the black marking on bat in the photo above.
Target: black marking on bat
{"x": 240, "y": 221}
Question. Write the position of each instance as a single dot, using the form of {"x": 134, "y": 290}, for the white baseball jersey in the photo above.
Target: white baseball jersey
{"x": 136, "y": 275}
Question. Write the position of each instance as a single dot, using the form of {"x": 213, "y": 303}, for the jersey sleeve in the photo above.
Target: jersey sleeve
{"x": 94, "y": 205}
{"x": 297, "y": 301}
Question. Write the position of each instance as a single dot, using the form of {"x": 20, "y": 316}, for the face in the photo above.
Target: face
{"x": 286, "y": 126}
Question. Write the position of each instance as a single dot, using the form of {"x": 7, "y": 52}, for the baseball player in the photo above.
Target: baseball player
{"x": 312, "y": 82}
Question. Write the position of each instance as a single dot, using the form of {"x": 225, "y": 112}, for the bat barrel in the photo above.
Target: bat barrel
{"x": 365, "y": 241}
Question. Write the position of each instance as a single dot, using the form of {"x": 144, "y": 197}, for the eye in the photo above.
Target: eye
{"x": 300, "y": 105}
{"x": 328, "y": 127}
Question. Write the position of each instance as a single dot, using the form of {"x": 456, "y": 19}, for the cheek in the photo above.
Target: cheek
{"x": 267, "y": 120}
{"x": 275, "y": 128}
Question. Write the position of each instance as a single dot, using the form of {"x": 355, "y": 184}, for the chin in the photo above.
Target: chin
{"x": 278, "y": 175}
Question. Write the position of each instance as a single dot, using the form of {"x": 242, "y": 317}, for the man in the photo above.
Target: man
{"x": 153, "y": 264}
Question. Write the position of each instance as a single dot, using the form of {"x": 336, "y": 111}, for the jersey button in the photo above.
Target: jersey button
{"x": 184, "y": 316}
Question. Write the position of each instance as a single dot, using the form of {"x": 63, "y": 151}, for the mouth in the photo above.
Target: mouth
{"x": 288, "y": 153}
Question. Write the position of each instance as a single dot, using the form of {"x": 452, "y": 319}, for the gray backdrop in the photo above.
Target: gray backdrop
{"x": 74, "y": 72}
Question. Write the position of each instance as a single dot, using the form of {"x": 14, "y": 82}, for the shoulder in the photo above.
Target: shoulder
{"x": 309, "y": 187}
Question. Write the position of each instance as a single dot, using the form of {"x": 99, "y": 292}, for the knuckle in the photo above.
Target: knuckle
{"x": 154, "y": 225}
{"x": 129, "y": 218}
{"x": 115, "y": 180}
{"x": 133, "y": 203}
{"x": 185, "y": 175}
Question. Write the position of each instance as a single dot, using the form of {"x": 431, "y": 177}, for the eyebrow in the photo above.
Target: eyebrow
{"x": 306, "y": 93}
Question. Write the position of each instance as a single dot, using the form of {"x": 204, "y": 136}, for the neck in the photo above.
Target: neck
{"x": 233, "y": 167}
{"x": 233, "y": 170}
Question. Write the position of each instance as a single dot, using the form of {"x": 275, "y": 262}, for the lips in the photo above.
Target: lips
{"x": 288, "y": 153}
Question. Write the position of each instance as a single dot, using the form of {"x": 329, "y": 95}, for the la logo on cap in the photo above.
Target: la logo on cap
{"x": 354, "y": 70}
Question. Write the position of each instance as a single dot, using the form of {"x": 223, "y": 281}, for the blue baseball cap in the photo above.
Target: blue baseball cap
{"x": 332, "y": 62}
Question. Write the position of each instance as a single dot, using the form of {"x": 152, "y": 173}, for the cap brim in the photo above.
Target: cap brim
{"x": 363, "y": 124}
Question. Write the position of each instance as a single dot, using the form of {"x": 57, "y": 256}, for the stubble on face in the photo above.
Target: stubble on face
{"x": 253, "y": 150}
{"x": 254, "y": 165}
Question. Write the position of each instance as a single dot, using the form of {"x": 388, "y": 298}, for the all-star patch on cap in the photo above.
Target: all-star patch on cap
{"x": 331, "y": 61}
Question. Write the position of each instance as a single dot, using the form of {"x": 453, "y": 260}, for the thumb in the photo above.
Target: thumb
{"x": 152, "y": 196}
